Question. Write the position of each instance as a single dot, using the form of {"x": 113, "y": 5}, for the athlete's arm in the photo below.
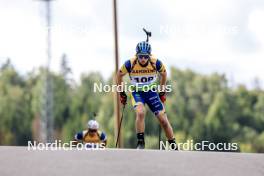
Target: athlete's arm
{"x": 103, "y": 138}
{"x": 119, "y": 77}
{"x": 78, "y": 136}
{"x": 122, "y": 72}
{"x": 163, "y": 75}
{"x": 163, "y": 80}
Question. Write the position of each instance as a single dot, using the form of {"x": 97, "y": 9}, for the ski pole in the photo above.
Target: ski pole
{"x": 160, "y": 132}
{"x": 159, "y": 135}
{"x": 119, "y": 128}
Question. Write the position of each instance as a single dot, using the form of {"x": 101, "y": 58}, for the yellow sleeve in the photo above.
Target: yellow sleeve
{"x": 123, "y": 69}
{"x": 126, "y": 67}
{"x": 160, "y": 66}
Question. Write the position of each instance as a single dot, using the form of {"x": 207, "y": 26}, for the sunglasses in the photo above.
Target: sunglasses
{"x": 92, "y": 131}
{"x": 143, "y": 56}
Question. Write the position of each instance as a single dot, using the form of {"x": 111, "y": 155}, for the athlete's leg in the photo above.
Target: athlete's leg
{"x": 165, "y": 124}
{"x": 140, "y": 125}
{"x": 158, "y": 109}
{"x": 138, "y": 104}
{"x": 140, "y": 118}
{"x": 156, "y": 106}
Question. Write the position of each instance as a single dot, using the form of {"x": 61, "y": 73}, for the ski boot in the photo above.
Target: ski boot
{"x": 141, "y": 144}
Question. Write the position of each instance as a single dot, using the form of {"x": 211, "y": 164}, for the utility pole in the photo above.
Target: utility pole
{"x": 117, "y": 103}
{"x": 47, "y": 91}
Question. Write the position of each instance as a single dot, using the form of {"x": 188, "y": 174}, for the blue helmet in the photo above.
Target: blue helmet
{"x": 143, "y": 48}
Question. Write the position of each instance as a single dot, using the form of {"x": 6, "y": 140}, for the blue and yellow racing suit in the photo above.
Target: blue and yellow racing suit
{"x": 86, "y": 137}
{"x": 145, "y": 76}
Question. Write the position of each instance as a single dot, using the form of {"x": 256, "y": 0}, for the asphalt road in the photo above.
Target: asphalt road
{"x": 18, "y": 161}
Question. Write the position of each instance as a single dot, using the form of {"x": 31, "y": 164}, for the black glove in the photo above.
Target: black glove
{"x": 162, "y": 96}
{"x": 123, "y": 98}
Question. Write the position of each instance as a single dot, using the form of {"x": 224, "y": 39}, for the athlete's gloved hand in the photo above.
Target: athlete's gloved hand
{"x": 162, "y": 96}
{"x": 123, "y": 98}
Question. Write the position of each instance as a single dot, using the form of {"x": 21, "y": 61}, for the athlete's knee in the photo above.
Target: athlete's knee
{"x": 140, "y": 111}
{"x": 164, "y": 121}
{"x": 140, "y": 114}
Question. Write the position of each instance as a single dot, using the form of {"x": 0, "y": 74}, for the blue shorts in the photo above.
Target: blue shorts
{"x": 150, "y": 98}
